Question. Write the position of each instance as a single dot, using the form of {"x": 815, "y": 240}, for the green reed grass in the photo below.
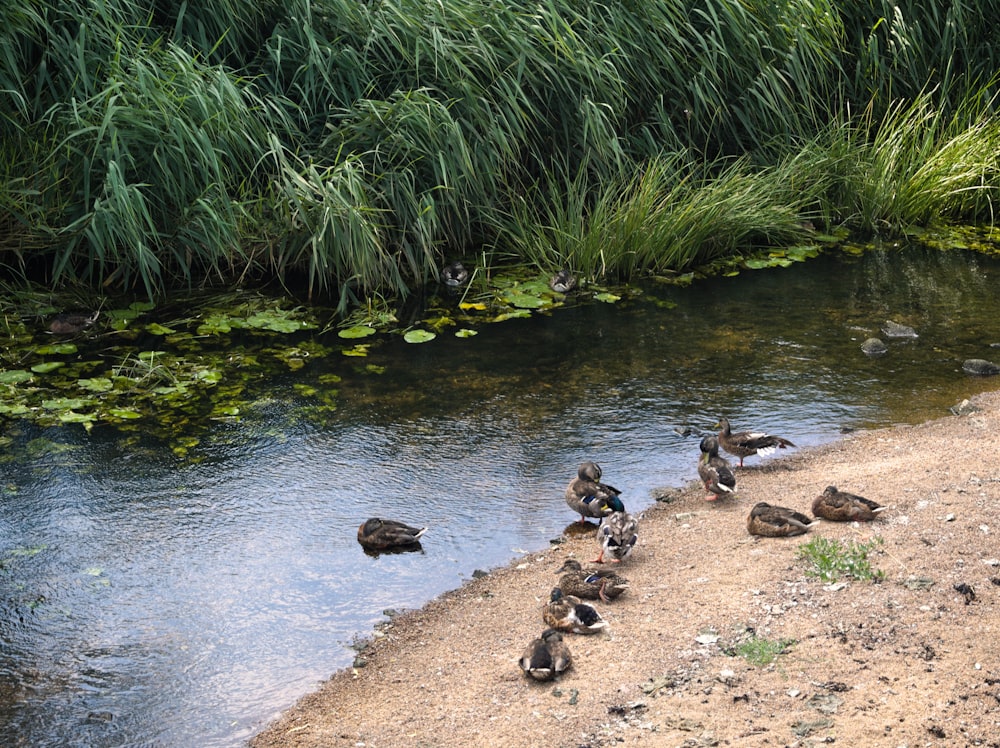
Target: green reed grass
{"x": 359, "y": 145}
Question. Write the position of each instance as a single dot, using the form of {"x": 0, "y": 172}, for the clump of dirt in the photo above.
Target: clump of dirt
{"x": 723, "y": 638}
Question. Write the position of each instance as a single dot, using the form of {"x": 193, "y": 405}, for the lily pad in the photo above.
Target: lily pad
{"x": 66, "y": 403}
{"x": 124, "y": 413}
{"x": 155, "y": 328}
{"x": 524, "y": 301}
{"x": 465, "y": 333}
{"x": 358, "y": 331}
{"x": 472, "y": 306}
{"x": 361, "y": 349}
{"x": 46, "y": 366}
{"x": 98, "y": 384}
{"x": 58, "y": 348}
{"x": 14, "y": 376}
{"x": 608, "y": 298}
{"x": 419, "y": 336}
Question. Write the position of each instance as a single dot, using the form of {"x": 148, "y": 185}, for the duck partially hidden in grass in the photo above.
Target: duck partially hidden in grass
{"x": 454, "y": 276}
{"x": 546, "y": 657}
{"x": 563, "y": 282}
{"x": 586, "y": 495}
{"x": 840, "y": 506}
{"x": 746, "y": 443}
{"x": 714, "y": 470}
{"x": 71, "y": 323}
{"x": 377, "y": 534}
{"x": 569, "y": 613}
{"x": 590, "y": 584}
{"x": 618, "y": 532}
{"x": 777, "y": 521}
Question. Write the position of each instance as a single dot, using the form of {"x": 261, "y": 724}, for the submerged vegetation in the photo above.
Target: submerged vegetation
{"x": 357, "y": 146}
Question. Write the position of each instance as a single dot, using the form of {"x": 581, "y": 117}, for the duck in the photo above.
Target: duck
{"x": 570, "y": 614}
{"x": 840, "y": 506}
{"x": 563, "y": 282}
{"x": 618, "y": 532}
{"x": 590, "y": 584}
{"x": 746, "y": 443}
{"x": 714, "y": 470}
{"x": 377, "y": 534}
{"x": 546, "y": 657}
{"x": 776, "y": 521}
{"x": 586, "y": 495}
{"x": 454, "y": 275}
{"x": 72, "y": 323}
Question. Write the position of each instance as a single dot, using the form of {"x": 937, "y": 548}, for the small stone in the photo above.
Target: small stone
{"x": 949, "y": 518}
{"x": 964, "y": 408}
{"x": 896, "y": 330}
{"x": 874, "y": 347}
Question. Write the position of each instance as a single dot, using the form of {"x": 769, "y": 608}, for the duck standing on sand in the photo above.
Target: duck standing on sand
{"x": 590, "y": 584}
{"x": 776, "y": 521}
{"x": 618, "y": 532}
{"x": 377, "y": 534}
{"x": 714, "y": 470}
{"x": 746, "y": 443}
{"x": 840, "y": 506}
{"x": 586, "y": 495}
{"x": 546, "y": 657}
{"x": 569, "y": 613}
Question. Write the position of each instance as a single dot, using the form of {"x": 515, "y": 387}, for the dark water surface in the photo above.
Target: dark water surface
{"x": 153, "y": 601}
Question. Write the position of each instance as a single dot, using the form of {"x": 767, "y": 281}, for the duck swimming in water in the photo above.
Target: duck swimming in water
{"x": 454, "y": 275}
{"x": 377, "y": 534}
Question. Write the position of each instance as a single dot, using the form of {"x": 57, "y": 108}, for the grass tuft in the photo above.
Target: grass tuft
{"x": 760, "y": 651}
{"x": 831, "y": 560}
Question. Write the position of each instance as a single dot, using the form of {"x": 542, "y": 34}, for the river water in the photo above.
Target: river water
{"x": 149, "y": 600}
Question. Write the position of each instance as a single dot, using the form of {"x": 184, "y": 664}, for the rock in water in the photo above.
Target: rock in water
{"x": 874, "y": 347}
{"x": 896, "y": 330}
{"x": 980, "y": 367}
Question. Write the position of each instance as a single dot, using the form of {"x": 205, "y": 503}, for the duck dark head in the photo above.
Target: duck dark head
{"x": 614, "y": 504}
{"x": 454, "y": 275}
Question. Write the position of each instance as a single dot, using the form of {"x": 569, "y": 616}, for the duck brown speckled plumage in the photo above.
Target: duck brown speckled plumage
{"x": 746, "y": 443}
{"x": 590, "y": 584}
{"x": 586, "y": 495}
{"x": 776, "y": 521}
{"x": 377, "y": 534}
{"x": 563, "y": 282}
{"x": 570, "y": 614}
{"x": 714, "y": 470}
{"x": 618, "y": 532}
{"x": 71, "y": 323}
{"x": 546, "y": 657}
{"x": 840, "y": 506}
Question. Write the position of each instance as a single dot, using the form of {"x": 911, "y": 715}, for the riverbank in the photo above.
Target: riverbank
{"x": 908, "y": 661}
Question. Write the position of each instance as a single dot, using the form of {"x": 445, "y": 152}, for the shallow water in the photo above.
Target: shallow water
{"x": 149, "y": 600}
